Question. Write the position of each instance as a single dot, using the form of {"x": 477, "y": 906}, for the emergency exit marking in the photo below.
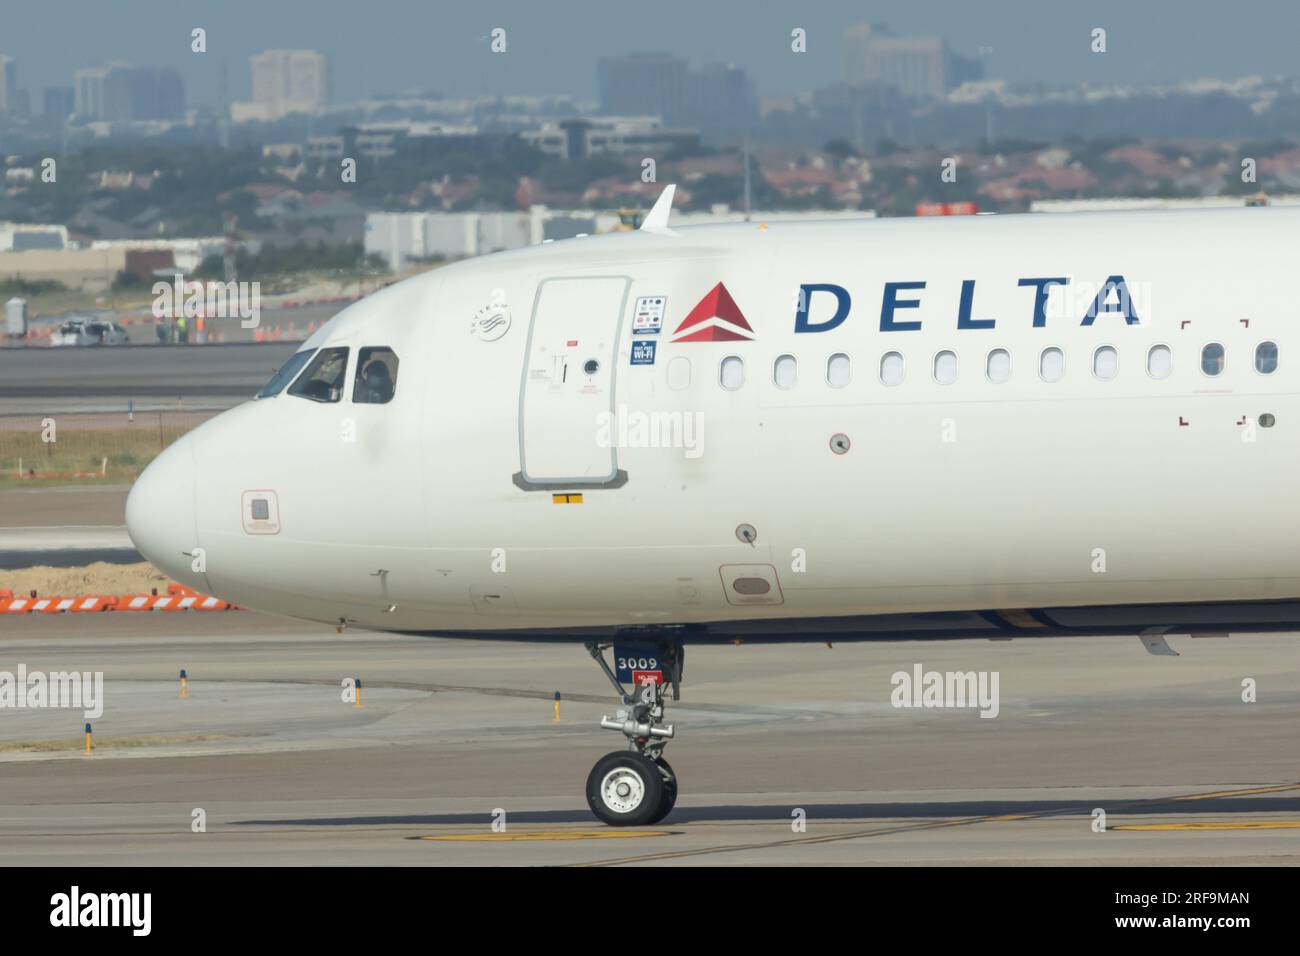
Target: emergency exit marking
{"x": 566, "y": 499}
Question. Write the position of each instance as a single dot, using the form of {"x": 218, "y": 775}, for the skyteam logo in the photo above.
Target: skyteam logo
{"x": 716, "y": 318}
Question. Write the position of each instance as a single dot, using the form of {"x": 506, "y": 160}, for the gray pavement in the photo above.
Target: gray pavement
{"x": 35, "y": 380}
{"x": 451, "y": 731}
{"x": 65, "y": 546}
{"x": 69, "y": 505}
{"x": 64, "y": 526}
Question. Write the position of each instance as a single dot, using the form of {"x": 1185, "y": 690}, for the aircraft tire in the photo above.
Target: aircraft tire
{"x": 625, "y": 789}
{"x": 669, "y": 799}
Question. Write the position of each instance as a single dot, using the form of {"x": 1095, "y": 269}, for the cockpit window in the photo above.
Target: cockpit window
{"x": 376, "y": 379}
{"x": 285, "y": 373}
{"x": 324, "y": 378}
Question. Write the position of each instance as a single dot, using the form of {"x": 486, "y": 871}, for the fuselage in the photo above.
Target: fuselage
{"x": 992, "y": 422}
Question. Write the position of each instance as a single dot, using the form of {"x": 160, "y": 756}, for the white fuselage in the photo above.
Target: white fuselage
{"x": 454, "y": 508}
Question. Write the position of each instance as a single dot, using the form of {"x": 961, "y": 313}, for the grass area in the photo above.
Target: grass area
{"x": 70, "y": 482}
{"x": 77, "y": 454}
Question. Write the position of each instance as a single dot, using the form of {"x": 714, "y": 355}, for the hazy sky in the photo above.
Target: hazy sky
{"x": 393, "y": 45}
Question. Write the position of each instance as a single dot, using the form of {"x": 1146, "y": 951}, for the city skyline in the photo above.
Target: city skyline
{"x": 404, "y": 45}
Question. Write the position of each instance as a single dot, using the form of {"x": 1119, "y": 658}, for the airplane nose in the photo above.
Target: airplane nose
{"x": 160, "y": 510}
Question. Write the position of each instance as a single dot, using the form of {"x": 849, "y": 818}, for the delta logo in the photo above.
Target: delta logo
{"x": 716, "y": 318}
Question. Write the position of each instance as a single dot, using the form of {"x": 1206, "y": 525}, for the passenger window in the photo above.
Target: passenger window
{"x": 785, "y": 371}
{"x": 891, "y": 368}
{"x": 1212, "y": 359}
{"x": 731, "y": 373}
{"x": 1051, "y": 365}
{"x": 285, "y": 373}
{"x": 1160, "y": 361}
{"x": 837, "y": 370}
{"x": 376, "y": 376}
{"x": 998, "y": 367}
{"x": 679, "y": 373}
{"x": 324, "y": 378}
{"x": 1266, "y": 358}
{"x": 945, "y": 367}
{"x": 1105, "y": 363}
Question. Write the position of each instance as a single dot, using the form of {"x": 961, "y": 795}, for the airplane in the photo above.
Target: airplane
{"x": 993, "y": 426}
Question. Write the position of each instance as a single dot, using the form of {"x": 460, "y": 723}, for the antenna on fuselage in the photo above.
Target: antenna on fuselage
{"x": 656, "y": 220}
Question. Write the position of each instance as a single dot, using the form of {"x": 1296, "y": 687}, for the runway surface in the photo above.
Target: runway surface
{"x": 452, "y": 733}
{"x": 65, "y": 546}
{"x": 66, "y": 526}
{"x": 47, "y": 380}
{"x": 68, "y": 505}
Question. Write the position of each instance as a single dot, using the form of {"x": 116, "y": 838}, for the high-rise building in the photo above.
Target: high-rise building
{"x": 720, "y": 99}
{"x": 918, "y": 67}
{"x": 643, "y": 84}
{"x": 121, "y": 92}
{"x": 8, "y": 84}
{"x": 284, "y": 82}
{"x": 88, "y": 92}
{"x": 60, "y": 101}
{"x": 143, "y": 93}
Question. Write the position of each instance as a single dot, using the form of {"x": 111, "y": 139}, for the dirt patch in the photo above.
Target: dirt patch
{"x": 76, "y": 742}
{"x": 98, "y": 578}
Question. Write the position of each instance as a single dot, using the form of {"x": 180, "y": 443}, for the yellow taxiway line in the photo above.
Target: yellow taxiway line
{"x": 1215, "y": 825}
{"x": 611, "y": 834}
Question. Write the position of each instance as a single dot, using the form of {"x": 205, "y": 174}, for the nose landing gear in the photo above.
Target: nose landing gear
{"x": 637, "y": 786}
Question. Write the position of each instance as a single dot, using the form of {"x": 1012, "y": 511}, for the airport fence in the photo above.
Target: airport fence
{"x": 83, "y": 448}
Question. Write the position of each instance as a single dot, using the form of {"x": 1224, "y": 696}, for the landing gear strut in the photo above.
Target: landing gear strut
{"x": 637, "y": 786}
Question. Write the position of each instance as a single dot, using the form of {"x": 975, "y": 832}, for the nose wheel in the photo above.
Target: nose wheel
{"x": 629, "y": 789}
{"x": 636, "y": 786}
{"x": 669, "y": 799}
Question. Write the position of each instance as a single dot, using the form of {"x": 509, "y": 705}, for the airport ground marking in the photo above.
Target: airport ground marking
{"x": 933, "y": 825}
{"x": 1215, "y": 825}
{"x": 613, "y": 833}
{"x": 1250, "y": 791}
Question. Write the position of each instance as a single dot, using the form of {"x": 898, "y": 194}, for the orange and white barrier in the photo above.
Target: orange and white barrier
{"x": 178, "y": 598}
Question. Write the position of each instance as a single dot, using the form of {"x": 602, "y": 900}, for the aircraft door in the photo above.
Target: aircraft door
{"x": 568, "y": 381}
